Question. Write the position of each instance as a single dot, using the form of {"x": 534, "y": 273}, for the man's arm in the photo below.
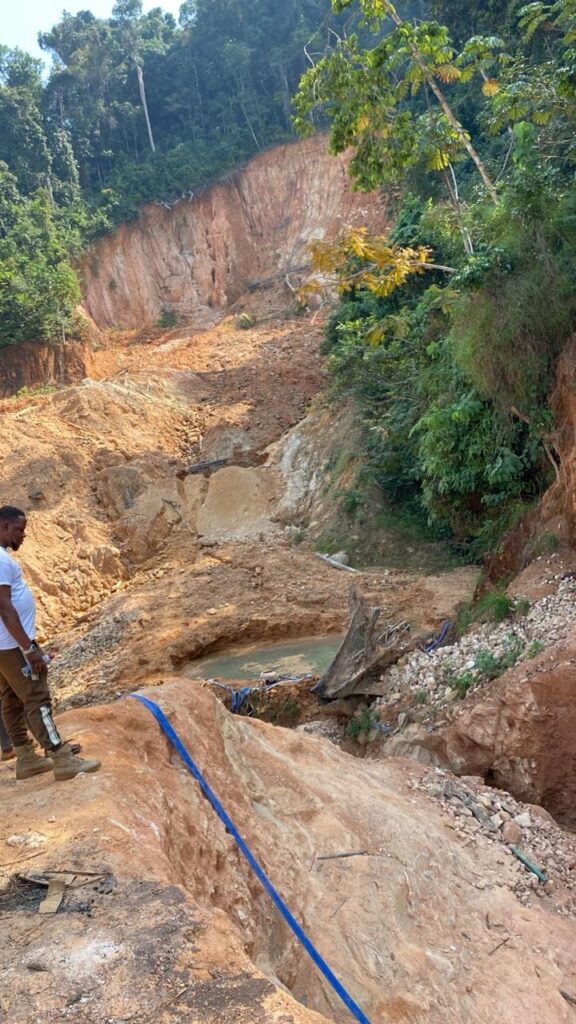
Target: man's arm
{"x": 11, "y": 620}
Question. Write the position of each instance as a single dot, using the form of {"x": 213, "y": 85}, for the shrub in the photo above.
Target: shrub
{"x": 495, "y": 606}
{"x": 362, "y": 723}
{"x": 245, "y": 321}
{"x": 536, "y": 647}
{"x": 167, "y": 318}
{"x": 462, "y": 684}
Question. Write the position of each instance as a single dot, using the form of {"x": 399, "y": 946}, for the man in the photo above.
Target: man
{"x": 24, "y": 689}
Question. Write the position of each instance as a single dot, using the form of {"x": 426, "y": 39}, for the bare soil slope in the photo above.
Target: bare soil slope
{"x": 179, "y": 567}
{"x": 421, "y": 926}
{"x": 248, "y": 233}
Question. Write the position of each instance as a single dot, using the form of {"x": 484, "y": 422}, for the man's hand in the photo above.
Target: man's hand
{"x": 35, "y": 659}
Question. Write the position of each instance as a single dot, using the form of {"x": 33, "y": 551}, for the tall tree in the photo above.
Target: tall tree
{"x": 126, "y": 16}
{"x": 368, "y": 94}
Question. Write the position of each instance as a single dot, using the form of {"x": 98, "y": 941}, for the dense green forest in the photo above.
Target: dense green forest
{"x": 448, "y": 332}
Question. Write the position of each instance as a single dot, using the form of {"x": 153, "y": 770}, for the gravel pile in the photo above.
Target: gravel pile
{"x": 478, "y": 812}
{"x": 93, "y": 656}
{"x": 448, "y": 673}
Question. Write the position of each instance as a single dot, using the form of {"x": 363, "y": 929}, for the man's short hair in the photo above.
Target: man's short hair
{"x": 10, "y": 512}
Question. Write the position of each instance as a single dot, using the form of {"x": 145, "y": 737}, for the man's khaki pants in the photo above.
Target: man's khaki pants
{"x": 26, "y": 702}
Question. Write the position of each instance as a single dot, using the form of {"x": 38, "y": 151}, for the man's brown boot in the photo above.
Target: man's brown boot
{"x": 30, "y": 763}
{"x": 67, "y": 765}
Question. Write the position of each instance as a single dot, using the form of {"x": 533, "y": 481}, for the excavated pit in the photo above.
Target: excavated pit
{"x": 143, "y": 570}
{"x": 305, "y": 656}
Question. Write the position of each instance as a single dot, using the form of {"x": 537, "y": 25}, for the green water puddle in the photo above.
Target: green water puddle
{"x": 294, "y": 657}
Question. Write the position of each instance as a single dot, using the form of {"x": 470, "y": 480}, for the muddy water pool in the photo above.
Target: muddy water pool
{"x": 293, "y": 657}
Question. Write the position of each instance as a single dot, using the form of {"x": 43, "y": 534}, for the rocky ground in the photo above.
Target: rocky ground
{"x": 439, "y": 677}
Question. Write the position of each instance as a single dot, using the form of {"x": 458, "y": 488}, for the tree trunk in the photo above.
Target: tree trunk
{"x": 458, "y": 128}
{"x": 144, "y": 103}
{"x": 367, "y": 650}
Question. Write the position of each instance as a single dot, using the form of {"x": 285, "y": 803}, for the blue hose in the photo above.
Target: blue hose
{"x": 258, "y": 870}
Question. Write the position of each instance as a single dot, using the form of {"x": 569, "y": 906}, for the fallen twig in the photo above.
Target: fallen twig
{"x": 74, "y": 871}
{"x": 496, "y": 948}
{"x": 168, "y": 1002}
{"x": 339, "y": 907}
{"x": 338, "y": 856}
{"x": 21, "y": 860}
{"x": 569, "y": 999}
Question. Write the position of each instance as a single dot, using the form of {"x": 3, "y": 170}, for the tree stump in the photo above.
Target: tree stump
{"x": 368, "y": 648}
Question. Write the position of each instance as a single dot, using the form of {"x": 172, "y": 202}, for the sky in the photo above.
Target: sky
{"x": 22, "y": 20}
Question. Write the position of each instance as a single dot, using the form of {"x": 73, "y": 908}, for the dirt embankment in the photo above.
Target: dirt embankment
{"x": 247, "y": 234}
{"x": 29, "y": 365}
{"x": 422, "y": 924}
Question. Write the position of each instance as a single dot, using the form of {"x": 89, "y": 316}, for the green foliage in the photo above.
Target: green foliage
{"x": 462, "y": 684}
{"x": 361, "y": 724}
{"x": 168, "y": 318}
{"x": 39, "y": 289}
{"x": 535, "y": 648}
{"x": 464, "y": 619}
{"x": 452, "y": 378}
{"x": 496, "y": 606}
{"x": 435, "y": 445}
{"x": 488, "y": 666}
{"x": 216, "y": 88}
{"x": 371, "y": 95}
{"x": 350, "y": 500}
{"x": 546, "y": 543}
{"x": 506, "y": 338}
{"x": 35, "y": 389}
{"x": 245, "y": 321}
{"x": 136, "y": 109}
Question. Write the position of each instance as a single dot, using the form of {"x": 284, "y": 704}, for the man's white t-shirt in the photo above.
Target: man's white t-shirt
{"x": 11, "y": 575}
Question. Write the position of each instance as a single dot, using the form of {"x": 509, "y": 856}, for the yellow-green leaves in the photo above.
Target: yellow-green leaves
{"x": 358, "y": 259}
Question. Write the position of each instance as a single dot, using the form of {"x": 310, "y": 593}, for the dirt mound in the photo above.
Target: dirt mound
{"x": 421, "y": 926}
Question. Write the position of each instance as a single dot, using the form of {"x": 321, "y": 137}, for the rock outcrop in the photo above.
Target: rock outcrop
{"x": 249, "y": 232}
{"x": 520, "y": 733}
